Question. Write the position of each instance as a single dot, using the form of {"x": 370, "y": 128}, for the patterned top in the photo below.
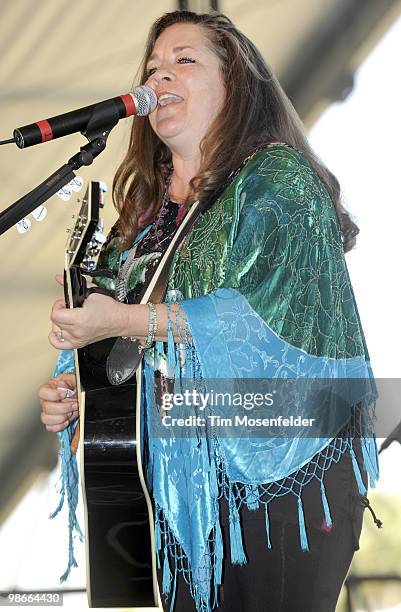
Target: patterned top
{"x": 150, "y": 244}
{"x": 263, "y": 267}
{"x": 302, "y": 247}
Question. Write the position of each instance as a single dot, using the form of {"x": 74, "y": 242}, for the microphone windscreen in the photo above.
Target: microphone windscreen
{"x": 145, "y": 100}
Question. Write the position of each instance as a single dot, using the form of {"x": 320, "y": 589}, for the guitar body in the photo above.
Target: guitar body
{"x": 118, "y": 527}
{"x": 119, "y": 524}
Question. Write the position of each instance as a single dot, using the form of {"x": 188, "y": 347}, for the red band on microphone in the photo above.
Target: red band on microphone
{"x": 45, "y": 130}
{"x": 129, "y": 104}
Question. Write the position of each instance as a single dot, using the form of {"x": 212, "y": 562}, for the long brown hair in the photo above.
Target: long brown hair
{"x": 256, "y": 111}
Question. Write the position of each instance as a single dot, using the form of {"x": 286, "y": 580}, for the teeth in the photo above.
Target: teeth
{"x": 165, "y": 99}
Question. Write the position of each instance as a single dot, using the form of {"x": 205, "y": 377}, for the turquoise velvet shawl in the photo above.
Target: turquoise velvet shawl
{"x": 264, "y": 290}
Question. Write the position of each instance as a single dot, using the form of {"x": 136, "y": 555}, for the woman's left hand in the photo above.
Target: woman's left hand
{"x": 100, "y": 317}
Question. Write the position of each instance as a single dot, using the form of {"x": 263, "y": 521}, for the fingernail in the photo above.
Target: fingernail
{"x": 74, "y": 406}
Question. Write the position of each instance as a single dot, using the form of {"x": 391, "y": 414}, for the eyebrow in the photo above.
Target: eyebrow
{"x": 175, "y": 50}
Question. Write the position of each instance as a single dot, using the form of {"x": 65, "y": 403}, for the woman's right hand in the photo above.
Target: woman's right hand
{"x": 57, "y": 409}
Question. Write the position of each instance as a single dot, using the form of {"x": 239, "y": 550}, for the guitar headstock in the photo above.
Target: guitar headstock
{"x": 65, "y": 193}
{"x": 85, "y": 239}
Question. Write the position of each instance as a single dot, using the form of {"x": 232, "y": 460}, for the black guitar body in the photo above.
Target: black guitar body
{"x": 120, "y": 559}
{"x": 118, "y": 529}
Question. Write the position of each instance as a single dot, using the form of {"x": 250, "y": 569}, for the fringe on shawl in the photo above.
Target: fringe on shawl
{"x": 69, "y": 476}
{"x": 210, "y": 572}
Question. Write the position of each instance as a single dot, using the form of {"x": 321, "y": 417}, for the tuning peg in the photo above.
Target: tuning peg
{"x": 100, "y": 237}
{"x": 76, "y": 183}
{"x": 65, "y": 193}
{"x": 23, "y": 225}
{"x": 90, "y": 265}
{"x": 103, "y": 189}
{"x": 39, "y": 213}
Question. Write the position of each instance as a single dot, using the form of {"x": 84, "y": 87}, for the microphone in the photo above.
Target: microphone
{"x": 141, "y": 101}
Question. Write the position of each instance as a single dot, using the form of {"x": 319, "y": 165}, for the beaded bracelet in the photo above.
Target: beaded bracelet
{"x": 152, "y": 328}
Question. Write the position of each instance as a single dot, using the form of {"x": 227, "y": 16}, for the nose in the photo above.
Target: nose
{"x": 164, "y": 77}
{"x": 162, "y": 74}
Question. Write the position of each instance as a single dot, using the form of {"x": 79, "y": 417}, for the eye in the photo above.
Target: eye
{"x": 185, "y": 60}
{"x": 180, "y": 60}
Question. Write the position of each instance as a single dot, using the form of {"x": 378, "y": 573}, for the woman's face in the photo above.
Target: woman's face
{"x": 187, "y": 79}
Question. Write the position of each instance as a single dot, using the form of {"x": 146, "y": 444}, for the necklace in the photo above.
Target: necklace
{"x": 154, "y": 231}
{"x": 157, "y": 226}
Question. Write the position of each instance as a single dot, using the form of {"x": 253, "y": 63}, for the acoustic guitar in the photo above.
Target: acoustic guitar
{"x": 119, "y": 522}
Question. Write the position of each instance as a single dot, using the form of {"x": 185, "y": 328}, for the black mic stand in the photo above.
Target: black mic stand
{"x": 97, "y": 132}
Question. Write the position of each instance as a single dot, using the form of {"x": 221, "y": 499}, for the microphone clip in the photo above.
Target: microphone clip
{"x": 102, "y": 120}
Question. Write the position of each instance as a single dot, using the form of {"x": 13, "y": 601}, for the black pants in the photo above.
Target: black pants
{"x": 284, "y": 578}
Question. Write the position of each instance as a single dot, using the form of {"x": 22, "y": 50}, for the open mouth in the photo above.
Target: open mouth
{"x": 168, "y": 98}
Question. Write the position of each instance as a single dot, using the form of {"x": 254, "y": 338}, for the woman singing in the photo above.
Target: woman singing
{"x": 258, "y": 289}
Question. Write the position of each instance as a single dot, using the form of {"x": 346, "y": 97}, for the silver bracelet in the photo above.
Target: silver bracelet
{"x": 152, "y": 328}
